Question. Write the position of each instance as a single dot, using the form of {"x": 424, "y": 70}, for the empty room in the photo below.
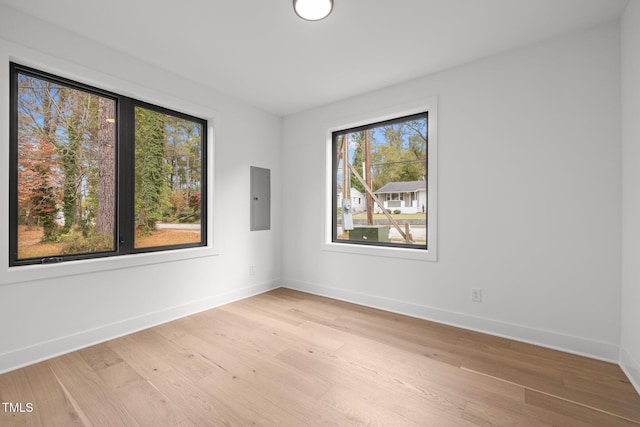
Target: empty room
{"x": 320, "y": 212}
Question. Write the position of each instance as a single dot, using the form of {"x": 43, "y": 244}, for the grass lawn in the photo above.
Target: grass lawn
{"x": 167, "y": 237}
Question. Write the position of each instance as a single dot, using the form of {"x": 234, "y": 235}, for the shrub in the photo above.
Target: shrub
{"x": 76, "y": 243}
{"x": 397, "y": 212}
{"x": 188, "y": 218}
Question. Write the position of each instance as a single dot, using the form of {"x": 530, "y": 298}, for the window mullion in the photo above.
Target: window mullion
{"x": 126, "y": 170}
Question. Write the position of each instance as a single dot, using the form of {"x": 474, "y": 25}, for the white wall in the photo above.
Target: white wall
{"x": 40, "y": 318}
{"x": 630, "y": 353}
{"x": 529, "y": 199}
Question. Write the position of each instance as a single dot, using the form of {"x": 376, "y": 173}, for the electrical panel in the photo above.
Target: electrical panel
{"x": 260, "y": 199}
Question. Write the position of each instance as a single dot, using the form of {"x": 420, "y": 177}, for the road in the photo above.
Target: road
{"x": 178, "y": 226}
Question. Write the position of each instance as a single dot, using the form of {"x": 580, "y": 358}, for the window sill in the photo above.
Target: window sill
{"x": 387, "y": 252}
{"x": 29, "y": 273}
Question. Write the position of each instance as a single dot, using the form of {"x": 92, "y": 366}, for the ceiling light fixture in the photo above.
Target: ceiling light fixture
{"x": 313, "y": 10}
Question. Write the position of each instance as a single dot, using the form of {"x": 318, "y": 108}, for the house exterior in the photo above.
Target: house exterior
{"x": 408, "y": 197}
{"x": 358, "y": 200}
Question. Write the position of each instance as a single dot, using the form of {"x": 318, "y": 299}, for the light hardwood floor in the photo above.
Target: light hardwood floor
{"x": 287, "y": 358}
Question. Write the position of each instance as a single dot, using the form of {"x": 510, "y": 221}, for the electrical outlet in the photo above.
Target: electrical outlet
{"x": 476, "y": 295}
{"x": 252, "y": 270}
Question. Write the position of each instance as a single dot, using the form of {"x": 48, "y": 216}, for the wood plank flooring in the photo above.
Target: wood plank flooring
{"x": 286, "y": 358}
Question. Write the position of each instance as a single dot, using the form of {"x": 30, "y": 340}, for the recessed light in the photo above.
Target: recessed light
{"x": 313, "y": 10}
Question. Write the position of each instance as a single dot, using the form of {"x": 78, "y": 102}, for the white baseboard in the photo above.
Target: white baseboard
{"x": 595, "y": 349}
{"x": 584, "y": 347}
{"x": 46, "y": 350}
{"x": 631, "y": 368}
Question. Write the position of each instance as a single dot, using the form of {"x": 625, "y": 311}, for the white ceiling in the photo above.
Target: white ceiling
{"x": 259, "y": 51}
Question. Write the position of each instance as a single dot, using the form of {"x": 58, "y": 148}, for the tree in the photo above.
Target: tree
{"x": 183, "y": 150}
{"x": 400, "y": 153}
{"x": 418, "y": 141}
{"x": 356, "y": 139}
{"x": 68, "y": 152}
{"x": 37, "y": 194}
{"x": 105, "y": 219}
{"x": 151, "y": 184}
{"x": 38, "y": 174}
{"x": 182, "y": 156}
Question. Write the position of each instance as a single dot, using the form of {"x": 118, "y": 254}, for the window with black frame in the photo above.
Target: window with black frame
{"x": 380, "y": 183}
{"x": 97, "y": 174}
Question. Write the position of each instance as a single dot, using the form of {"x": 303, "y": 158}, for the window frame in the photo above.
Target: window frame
{"x": 124, "y": 203}
{"x": 390, "y": 114}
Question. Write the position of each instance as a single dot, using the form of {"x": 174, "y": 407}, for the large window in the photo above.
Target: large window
{"x": 97, "y": 174}
{"x": 379, "y": 185}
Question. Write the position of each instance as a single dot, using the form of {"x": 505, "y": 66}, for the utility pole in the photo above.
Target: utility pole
{"x": 346, "y": 177}
{"x": 367, "y": 165}
{"x": 346, "y": 184}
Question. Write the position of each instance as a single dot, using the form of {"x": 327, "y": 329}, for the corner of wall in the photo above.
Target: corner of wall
{"x": 630, "y": 89}
{"x": 631, "y": 368}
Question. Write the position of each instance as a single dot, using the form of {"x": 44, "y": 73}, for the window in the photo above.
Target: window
{"x": 96, "y": 174}
{"x": 385, "y": 161}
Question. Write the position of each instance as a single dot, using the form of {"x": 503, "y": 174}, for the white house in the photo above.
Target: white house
{"x": 358, "y": 200}
{"x": 408, "y": 197}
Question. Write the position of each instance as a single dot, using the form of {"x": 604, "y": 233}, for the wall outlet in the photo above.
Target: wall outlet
{"x": 476, "y": 295}
{"x": 252, "y": 270}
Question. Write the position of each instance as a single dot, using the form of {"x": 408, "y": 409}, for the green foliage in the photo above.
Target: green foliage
{"x": 398, "y": 153}
{"x": 46, "y": 219}
{"x": 194, "y": 202}
{"x": 357, "y": 138}
{"x": 397, "y": 212}
{"x": 76, "y": 243}
{"x": 151, "y": 185}
{"x": 68, "y": 153}
{"x": 43, "y": 207}
{"x": 395, "y": 165}
{"x": 167, "y": 169}
{"x": 90, "y": 204}
{"x": 188, "y": 218}
{"x": 85, "y": 226}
